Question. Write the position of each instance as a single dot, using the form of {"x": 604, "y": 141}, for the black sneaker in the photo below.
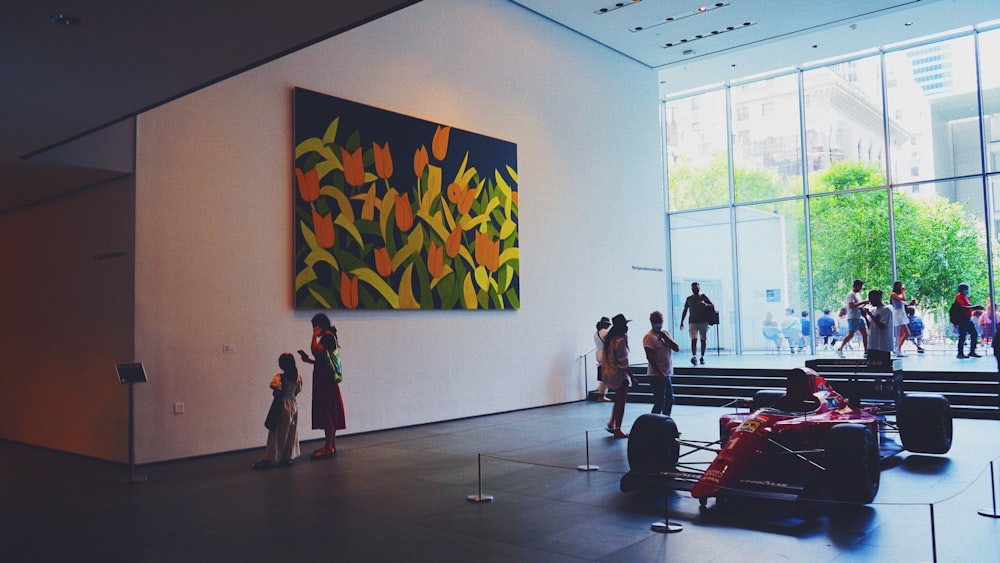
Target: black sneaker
{"x": 974, "y": 355}
{"x": 701, "y": 361}
{"x": 961, "y": 356}
{"x": 694, "y": 361}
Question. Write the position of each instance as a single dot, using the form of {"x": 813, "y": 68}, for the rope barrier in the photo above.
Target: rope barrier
{"x": 668, "y": 527}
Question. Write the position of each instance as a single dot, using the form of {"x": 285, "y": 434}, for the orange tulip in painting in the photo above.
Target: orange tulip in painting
{"x": 383, "y": 160}
{"x": 308, "y": 184}
{"x": 420, "y": 160}
{"x": 435, "y": 260}
{"x": 404, "y": 214}
{"x": 349, "y": 290}
{"x": 487, "y": 251}
{"x": 454, "y": 242}
{"x": 354, "y": 167}
{"x": 440, "y": 143}
{"x": 383, "y": 264}
{"x": 462, "y": 196}
{"x": 323, "y": 225}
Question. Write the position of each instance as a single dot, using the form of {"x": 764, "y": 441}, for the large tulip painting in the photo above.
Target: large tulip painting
{"x": 394, "y": 212}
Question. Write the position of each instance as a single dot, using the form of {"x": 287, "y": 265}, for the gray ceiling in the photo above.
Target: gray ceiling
{"x": 63, "y": 83}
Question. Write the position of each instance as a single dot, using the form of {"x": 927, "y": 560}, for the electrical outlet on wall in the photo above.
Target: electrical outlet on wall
{"x": 178, "y": 408}
{"x": 228, "y": 348}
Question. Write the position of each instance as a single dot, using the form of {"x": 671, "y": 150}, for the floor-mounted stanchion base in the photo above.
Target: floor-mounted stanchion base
{"x": 587, "y": 467}
{"x": 665, "y": 527}
{"x": 988, "y": 514}
{"x": 479, "y": 498}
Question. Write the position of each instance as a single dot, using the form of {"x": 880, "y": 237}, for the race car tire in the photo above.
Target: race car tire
{"x": 852, "y": 464}
{"x": 765, "y": 398}
{"x": 924, "y": 421}
{"x": 652, "y": 444}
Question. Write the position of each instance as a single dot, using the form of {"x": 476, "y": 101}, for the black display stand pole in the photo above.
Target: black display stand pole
{"x": 131, "y": 436}
{"x": 131, "y": 374}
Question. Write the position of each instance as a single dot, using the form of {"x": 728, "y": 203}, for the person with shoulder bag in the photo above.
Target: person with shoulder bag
{"x": 617, "y": 372}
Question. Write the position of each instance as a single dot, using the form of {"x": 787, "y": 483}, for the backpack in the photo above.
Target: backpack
{"x": 957, "y": 314}
{"x": 335, "y": 365}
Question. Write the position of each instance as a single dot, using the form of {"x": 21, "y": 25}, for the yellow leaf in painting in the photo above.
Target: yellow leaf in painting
{"x": 433, "y": 183}
{"x": 469, "y": 293}
{"x": 306, "y": 276}
{"x": 406, "y": 298}
{"x": 509, "y": 255}
{"x": 435, "y": 223}
{"x": 331, "y": 131}
{"x": 414, "y": 244}
{"x": 388, "y": 201}
{"x": 317, "y": 254}
{"x": 507, "y": 228}
{"x": 439, "y": 146}
{"x": 377, "y": 283}
{"x": 371, "y": 201}
{"x": 493, "y": 204}
{"x": 319, "y": 299}
{"x": 349, "y": 227}
{"x": 444, "y": 272}
{"x": 313, "y": 144}
{"x": 482, "y": 278}
{"x": 346, "y": 210}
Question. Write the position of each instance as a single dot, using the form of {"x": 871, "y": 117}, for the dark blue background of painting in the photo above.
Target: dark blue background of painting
{"x": 314, "y": 112}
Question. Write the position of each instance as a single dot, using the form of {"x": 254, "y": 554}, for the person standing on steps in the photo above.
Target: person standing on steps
{"x": 897, "y": 300}
{"x": 880, "y": 320}
{"x": 659, "y": 347}
{"x": 600, "y": 334}
{"x": 964, "y": 322}
{"x": 854, "y": 321}
{"x": 701, "y": 307}
{"x": 617, "y": 372}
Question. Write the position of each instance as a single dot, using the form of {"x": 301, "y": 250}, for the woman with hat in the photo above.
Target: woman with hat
{"x": 616, "y": 371}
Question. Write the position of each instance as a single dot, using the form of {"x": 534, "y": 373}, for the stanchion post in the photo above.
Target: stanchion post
{"x": 480, "y": 497}
{"x": 993, "y": 491}
{"x": 933, "y": 536}
{"x": 588, "y": 466}
{"x": 666, "y": 527}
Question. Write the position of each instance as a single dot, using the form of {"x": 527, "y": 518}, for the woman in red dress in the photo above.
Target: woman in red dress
{"x": 327, "y": 404}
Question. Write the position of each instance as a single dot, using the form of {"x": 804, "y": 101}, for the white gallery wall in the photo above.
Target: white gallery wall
{"x": 213, "y": 241}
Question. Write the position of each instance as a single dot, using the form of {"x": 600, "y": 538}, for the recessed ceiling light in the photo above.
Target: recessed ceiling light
{"x": 65, "y": 19}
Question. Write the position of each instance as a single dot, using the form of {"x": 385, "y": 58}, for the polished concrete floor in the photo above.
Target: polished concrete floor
{"x": 402, "y": 495}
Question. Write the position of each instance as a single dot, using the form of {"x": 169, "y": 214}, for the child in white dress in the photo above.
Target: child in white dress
{"x": 283, "y": 419}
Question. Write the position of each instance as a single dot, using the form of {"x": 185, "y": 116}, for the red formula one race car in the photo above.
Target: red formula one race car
{"x": 807, "y": 443}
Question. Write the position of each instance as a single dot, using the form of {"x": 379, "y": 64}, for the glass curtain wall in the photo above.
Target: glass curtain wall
{"x": 885, "y": 167}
